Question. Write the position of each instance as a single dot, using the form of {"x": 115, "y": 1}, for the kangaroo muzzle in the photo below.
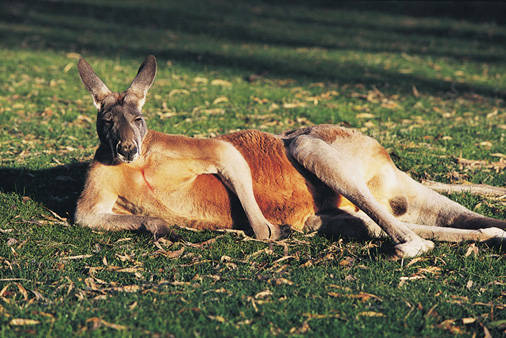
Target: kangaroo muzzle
{"x": 127, "y": 151}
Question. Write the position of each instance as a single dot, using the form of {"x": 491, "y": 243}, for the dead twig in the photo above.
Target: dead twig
{"x": 476, "y": 189}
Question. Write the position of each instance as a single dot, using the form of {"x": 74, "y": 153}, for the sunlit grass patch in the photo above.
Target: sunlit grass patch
{"x": 431, "y": 90}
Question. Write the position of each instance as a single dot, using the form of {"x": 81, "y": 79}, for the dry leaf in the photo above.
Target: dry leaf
{"x": 472, "y": 249}
{"x": 404, "y": 279}
{"x": 370, "y": 314}
{"x": 68, "y": 67}
{"x": 486, "y": 332}
{"x": 459, "y": 299}
{"x": 22, "y": 290}
{"x": 213, "y": 111}
{"x": 128, "y": 270}
{"x": 83, "y": 118}
{"x": 449, "y": 325}
{"x": 390, "y": 104}
{"x": 273, "y": 107}
{"x": 294, "y": 105}
{"x": 280, "y": 281}
{"x": 307, "y": 264}
{"x": 127, "y": 288}
{"x": 217, "y": 318}
{"x": 204, "y": 243}
{"x": 126, "y": 239}
{"x": 3, "y": 312}
{"x": 21, "y": 322}
{"x": 220, "y": 99}
{"x": 220, "y": 290}
{"x": 178, "y": 92}
{"x": 38, "y": 295}
{"x": 91, "y": 283}
{"x": 363, "y": 296}
{"x": 303, "y": 329}
{"x": 415, "y": 91}
{"x": 416, "y": 260}
{"x": 365, "y": 116}
{"x": 430, "y": 269}
{"x": 263, "y": 294}
{"x": 225, "y": 258}
{"x": 346, "y": 261}
{"x": 344, "y": 288}
{"x": 321, "y": 316}
{"x": 76, "y": 257}
{"x": 199, "y": 79}
{"x": 74, "y": 55}
{"x": 97, "y": 322}
{"x": 468, "y": 320}
{"x": 222, "y": 83}
{"x": 495, "y": 112}
{"x": 173, "y": 254}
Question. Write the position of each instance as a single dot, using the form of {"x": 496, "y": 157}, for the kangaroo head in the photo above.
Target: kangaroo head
{"x": 120, "y": 125}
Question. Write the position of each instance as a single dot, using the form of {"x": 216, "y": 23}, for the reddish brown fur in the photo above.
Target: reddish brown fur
{"x": 282, "y": 193}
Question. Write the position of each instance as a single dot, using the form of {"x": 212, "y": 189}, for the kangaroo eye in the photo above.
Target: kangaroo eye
{"x": 138, "y": 120}
{"x": 107, "y": 118}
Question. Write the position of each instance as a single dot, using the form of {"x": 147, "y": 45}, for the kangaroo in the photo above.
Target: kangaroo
{"x": 324, "y": 177}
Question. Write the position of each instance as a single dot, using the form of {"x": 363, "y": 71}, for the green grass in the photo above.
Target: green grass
{"x": 429, "y": 89}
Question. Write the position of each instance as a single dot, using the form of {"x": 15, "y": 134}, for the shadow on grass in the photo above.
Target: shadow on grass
{"x": 229, "y": 36}
{"x": 55, "y": 188}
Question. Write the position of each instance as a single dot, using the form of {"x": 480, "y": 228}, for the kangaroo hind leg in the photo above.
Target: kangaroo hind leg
{"x": 341, "y": 169}
{"x": 442, "y": 218}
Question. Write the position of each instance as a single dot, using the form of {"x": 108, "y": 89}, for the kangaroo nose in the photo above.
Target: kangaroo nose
{"x": 127, "y": 150}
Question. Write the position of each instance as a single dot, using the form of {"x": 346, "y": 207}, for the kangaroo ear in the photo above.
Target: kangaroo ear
{"x": 92, "y": 82}
{"x": 142, "y": 82}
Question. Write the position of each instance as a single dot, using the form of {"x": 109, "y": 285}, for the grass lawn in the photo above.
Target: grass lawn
{"x": 431, "y": 90}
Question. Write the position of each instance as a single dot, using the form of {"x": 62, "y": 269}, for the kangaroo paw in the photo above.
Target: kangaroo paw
{"x": 279, "y": 232}
{"x": 413, "y": 248}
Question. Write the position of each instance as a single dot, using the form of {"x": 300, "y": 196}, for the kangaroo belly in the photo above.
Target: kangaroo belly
{"x": 285, "y": 193}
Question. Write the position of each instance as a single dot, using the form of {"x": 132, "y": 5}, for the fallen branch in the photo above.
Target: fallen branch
{"x": 477, "y": 189}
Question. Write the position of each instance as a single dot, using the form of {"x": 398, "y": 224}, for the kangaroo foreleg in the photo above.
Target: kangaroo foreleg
{"x": 235, "y": 173}
{"x": 114, "y": 222}
{"x": 95, "y": 210}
